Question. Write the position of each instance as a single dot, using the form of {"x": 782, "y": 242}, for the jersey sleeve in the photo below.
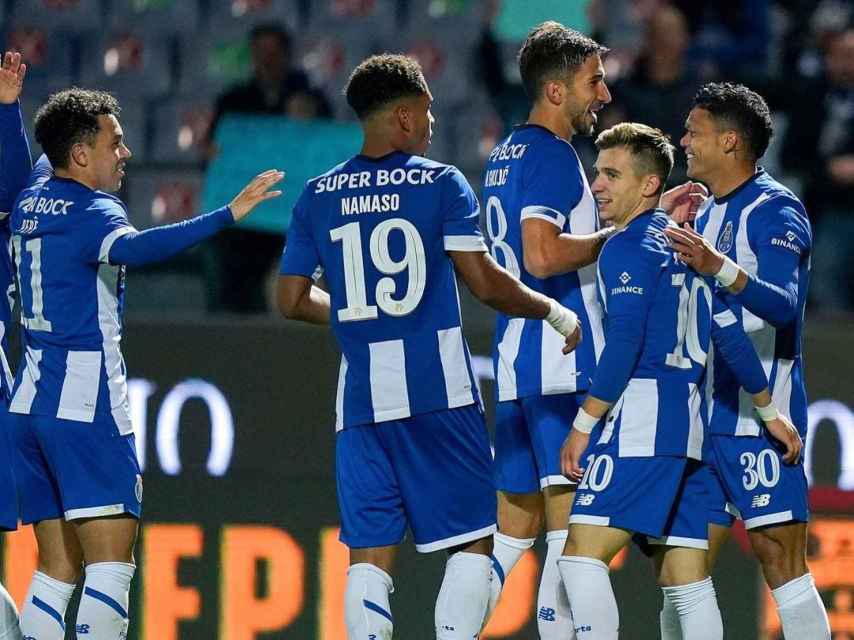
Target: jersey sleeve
{"x": 461, "y": 219}
{"x": 105, "y": 222}
{"x": 629, "y": 275}
{"x": 735, "y": 347}
{"x": 301, "y": 256}
{"x": 15, "y": 159}
{"x": 779, "y": 236}
{"x": 553, "y": 185}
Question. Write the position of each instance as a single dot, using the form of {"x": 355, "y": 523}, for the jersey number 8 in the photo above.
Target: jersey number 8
{"x": 414, "y": 260}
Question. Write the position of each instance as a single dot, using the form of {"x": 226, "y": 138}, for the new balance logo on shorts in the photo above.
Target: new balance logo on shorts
{"x": 547, "y": 614}
{"x": 585, "y": 499}
{"x": 82, "y": 629}
{"x": 761, "y": 500}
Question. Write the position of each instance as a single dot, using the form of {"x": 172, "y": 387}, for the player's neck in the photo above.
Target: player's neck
{"x": 552, "y": 120}
{"x": 74, "y": 175}
{"x": 730, "y": 179}
{"x": 644, "y": 205}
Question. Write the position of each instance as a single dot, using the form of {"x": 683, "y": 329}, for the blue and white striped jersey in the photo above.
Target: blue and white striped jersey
{"x": 380, "y": 229}
{"x": 764, "y": 228}
{"x": 660, "y": 318}
{"x": 71, "y": 301}
{"x": 535, "y": 174}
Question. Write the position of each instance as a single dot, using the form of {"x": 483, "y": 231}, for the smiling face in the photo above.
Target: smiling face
{"x": 586, "y": 94}
{"x": 103, "y": 161}
{"x": 703, "y": 144}
{"x": 619, "y": 190}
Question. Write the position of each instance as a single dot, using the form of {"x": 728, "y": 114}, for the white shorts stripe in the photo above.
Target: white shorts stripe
{"x": 95, "y": 512}
{"x": 456, "y": 541}
{"x": 771, "y": 518}
{"x": 676, "y": 541}
{"x": 389, "y": 393}
{"x": 598, "y": 521}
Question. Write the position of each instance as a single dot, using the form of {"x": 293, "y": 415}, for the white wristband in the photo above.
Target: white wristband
{"x": 562, "y": 319}
{"x": 584, "y": 422}
{"x": 728, "y": 272}
{"x": 767, "y": 413}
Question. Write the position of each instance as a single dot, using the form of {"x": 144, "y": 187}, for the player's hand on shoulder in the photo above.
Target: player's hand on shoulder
{"x": 571, "y": 453}
{"x": 782, "y": 429}
{"x": 256, "y": 192}
{"x": 11, "y": 77}
{"x": 682, "y": 203}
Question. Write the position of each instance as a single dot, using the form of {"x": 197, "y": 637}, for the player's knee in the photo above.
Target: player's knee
{"x": 63, "y": 568}
{"x": 781, "y": 560}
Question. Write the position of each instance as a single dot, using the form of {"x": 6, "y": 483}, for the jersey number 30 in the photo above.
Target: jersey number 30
{"x": 414, "y": 261}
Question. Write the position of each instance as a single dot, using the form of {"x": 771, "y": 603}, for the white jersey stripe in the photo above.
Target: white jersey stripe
{"x": 453, "y": 357}
{"x": 110, "y": 325}
{"x": 639, "y": 418}
{"x": 107, "y": 243}
{"x": 7, "y": 372}
{"x": 558, "y": 374}
{"x": 79, "y": 394}
{"x": 695, "y": 433}
{"x": 339, "y": 396}
{"x": 389, "y": 393}
{"x": 22, "y": 401}
{"x": 508, "y": 349}
{"x": 782, "y": 393}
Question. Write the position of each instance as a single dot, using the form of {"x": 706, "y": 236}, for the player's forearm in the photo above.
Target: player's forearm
{"x": 313, "y": 307}
{"x": 596, "y": 407}
{"x": 497, "y": 288}
{"x": 159, "y": 243}
{"x": 15, "y": 160}
{"x": 563, "y": 253}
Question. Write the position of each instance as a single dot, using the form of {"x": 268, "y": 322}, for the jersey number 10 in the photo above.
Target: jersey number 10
{"x": 414, "y": 261}
{"x": 34, "y": 247}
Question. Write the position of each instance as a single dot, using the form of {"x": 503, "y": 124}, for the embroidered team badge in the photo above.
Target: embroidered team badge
{"x": 725, "y": 241}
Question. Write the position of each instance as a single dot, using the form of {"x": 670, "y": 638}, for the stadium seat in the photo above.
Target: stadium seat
{"x": 75, "y": 15}
{"x": 161, "y": 197}
{"x": 48, "y": 56}
{"x": 211, "y": 62}
{"x": 459, "y": 17}
{"x": 376, "y": 17}
{"x": 129, "y": 63}
{"x": 154, "y": 16}
{"x": 179, "y": 127}
{"x": 477, "y": 129}
{"x": 237, "y": 17}
{"x": 446, "y": 62}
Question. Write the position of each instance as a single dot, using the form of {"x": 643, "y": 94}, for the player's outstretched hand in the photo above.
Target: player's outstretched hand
{"x": 784, "y": 431}
{"x": 571, "y": 452}
{"x": 694, "y": 250}
{"x": 11, "y": 77}
{"x": 682, "y": 203}
{"x": 255, "y": 192}
{"x": 572, "y": 340}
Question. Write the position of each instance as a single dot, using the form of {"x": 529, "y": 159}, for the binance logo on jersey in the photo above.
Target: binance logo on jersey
{"x": 625, "y": 278}
{"x": 761, "y": 500}
{"x": 52, "y": 206}
{"x": 787, "y": 243}
{"x": 585, "y": 499}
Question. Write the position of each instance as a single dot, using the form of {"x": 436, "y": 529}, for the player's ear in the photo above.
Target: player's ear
{"x": 729, "y": 141}
{"x": 80, "y": 154}
{"x": 651, "y": 186}
{"x": 403, "y": 114}
{"x": 553, "y": 92}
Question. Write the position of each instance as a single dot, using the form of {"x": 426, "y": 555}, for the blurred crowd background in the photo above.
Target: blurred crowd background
{"x": 181, "y": 67}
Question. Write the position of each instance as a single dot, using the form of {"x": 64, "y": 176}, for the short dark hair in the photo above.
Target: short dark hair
{"x": 70, "y": 117}
{"x": 271, "y": 29}
{"x": 741, "y": 109}
{"x": 381, "y": 79}
{"x": 650, "y": 147}
{"x": 552, "y": 49}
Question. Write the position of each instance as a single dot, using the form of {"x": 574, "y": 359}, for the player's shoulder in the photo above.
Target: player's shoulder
{"x": 778, "y": 203}
{"x": 642, "y": 240}
{"x": 104, "y": 203}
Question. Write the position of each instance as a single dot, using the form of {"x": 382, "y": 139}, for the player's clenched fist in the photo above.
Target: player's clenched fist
{"x": 255, "y": 192}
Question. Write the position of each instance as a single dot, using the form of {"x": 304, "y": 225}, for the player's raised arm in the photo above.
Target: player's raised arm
{"x": 137, "y": 248}
{"x": 15, "y": 159}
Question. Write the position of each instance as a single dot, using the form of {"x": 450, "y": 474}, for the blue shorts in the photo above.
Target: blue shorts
{"x": 432, "y": 472}
{"x": 529, "y": 433}
{"x": 760, "y": 489}
{"x": 72, "y": 469}
{"x": 8, "y": 492}
{"x": 663, "y": 498}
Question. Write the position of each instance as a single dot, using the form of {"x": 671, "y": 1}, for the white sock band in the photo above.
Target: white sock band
{"x": 801, "y": 610}
{"x": 43, "y": 613}
{"x": 463, "y": 596}
{"x": 697, "y": 607}
{"x": 669, "y": 620}
{"x": 591, "y": 598}
{"x": 103, "y": 612}
{"x": 366, "y": 607}
{"x": 554, "y": 618}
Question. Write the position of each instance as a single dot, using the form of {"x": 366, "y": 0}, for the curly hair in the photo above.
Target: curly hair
{"x": 736, "y": 107}
{"x": 551, "y": 50}
{"x": 382, "y": 79}
{"x": 651, "y": 150}
{"x": 70, "y": 117}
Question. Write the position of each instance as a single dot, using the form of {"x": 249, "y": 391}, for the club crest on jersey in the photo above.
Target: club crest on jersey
{"x": 725, "y": 241}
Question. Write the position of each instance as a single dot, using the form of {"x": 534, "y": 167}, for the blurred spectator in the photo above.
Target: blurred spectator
{"x": 661, "y": 86}
{"x": 241, "y": 259}
{"x": 819, "y": 146}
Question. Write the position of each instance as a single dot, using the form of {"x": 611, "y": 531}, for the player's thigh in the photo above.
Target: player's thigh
{"x": 515, "y": 464}
{"x": 95, "y": 467}
{"x": 38, "y": 494}
{"x": 108, "y": 538}
{"x": 781, "y": 550}
{"x": 558, "y": 504}
{"x": 762, "y": 489}
{"x": 718, "y": 535}
{"x": 444, "y": 469}
{"x": 59, "y": 552}
{"x": 592, "y": 541}
{"x": 520, "y": 515}
{"x": 549, "y": 420}
{"x": 382, "y": 557}
{"x": 369, "y": 498}
{"x": 677, "y": 566}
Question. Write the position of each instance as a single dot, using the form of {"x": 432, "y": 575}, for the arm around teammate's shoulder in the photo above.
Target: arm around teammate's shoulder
{"x": 298, "y": 298}
{"x": 547, "y": 252}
